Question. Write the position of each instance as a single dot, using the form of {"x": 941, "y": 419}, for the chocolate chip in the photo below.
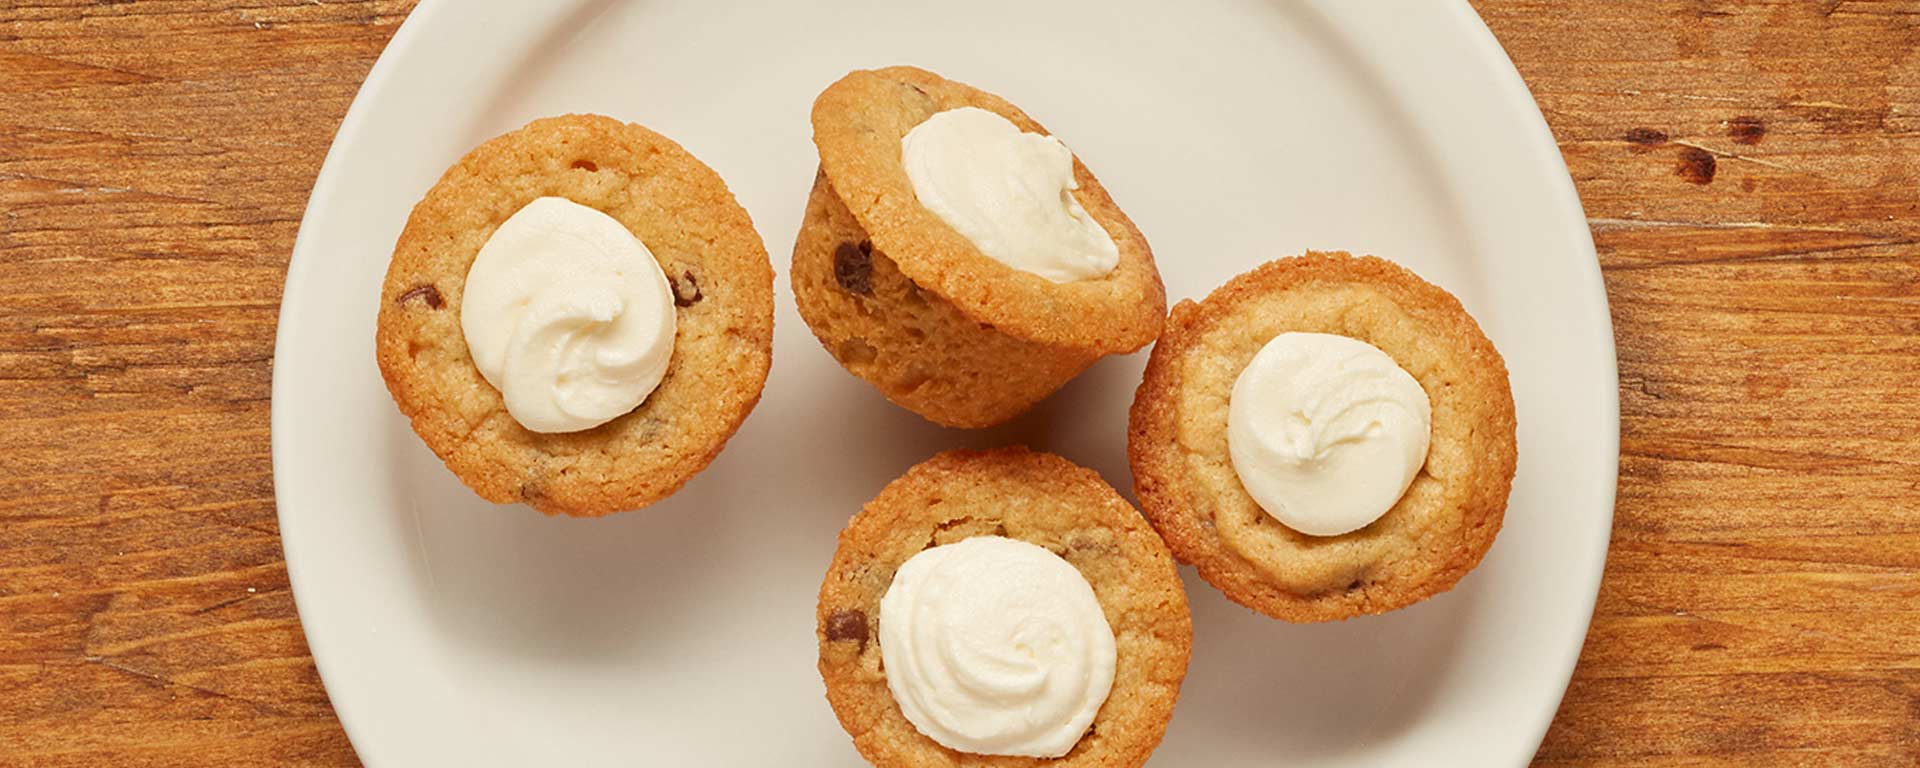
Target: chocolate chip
{"x": 1357, "y": 584}
{"x": 686, "y": 290}
{"x": 1746, "y": 129}
{"x": 586, "y": 165}
{"x": 425, "y": 292}
{"x": 1646, "y": 137}
{"x": 853, "y": 267}
{"x": 847, "y": 626}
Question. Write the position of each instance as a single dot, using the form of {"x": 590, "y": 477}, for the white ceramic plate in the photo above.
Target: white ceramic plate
{"x": 454, "y": 632}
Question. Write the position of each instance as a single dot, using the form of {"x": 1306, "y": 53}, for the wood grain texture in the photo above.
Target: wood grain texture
{"x": 1749, "y": 168}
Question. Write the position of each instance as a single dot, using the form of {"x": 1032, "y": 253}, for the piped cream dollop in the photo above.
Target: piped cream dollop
{"x": 995, "y": 646}
{"x": 1008, "y": 192}
{"x": 1326, "y": 432}
{"x": 568, "y": 315}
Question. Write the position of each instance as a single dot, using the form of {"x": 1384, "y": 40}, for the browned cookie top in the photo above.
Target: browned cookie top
{"x": 1034, "y": 497}
{"x": 723, "y": 288}
{"x": 1184, "y": 474}
{"x": 858, "y": 123}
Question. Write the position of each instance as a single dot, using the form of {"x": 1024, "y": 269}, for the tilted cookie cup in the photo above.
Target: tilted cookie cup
{"x": 1184, "y": 475}
{"x": 903, "y": 301}
{"x": 703, "y": 240}
{"x": 1034, "y": 497}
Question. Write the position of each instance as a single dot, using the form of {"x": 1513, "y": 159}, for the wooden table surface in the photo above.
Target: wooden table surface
{"x": 1752, "y": 174}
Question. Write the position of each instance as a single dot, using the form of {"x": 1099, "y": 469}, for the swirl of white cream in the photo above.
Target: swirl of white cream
{"x": 996, "y": 647}
{"x": 568, "y": 315}
{"x": 1326, "y": 432}
{"x": 1009, "y": 192}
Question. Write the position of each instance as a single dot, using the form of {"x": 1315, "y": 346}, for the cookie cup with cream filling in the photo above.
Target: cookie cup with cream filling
{"x": 627, "y": 325}
{"x": 964, "y": 334}
{"x": 999, "y": 609}
{"x": 1437, "y": 513}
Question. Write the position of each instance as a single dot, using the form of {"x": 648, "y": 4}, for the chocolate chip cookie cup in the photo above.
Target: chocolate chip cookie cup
{"x": 1323, "y": 437}
{"x": 577, "y": 316}
{"x": 958, "y": 258}
{"x": 998, "y": 609}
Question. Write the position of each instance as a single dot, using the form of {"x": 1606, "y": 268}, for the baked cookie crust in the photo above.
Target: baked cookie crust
{"x": 1034, "y": 497}
{"x": 1184, "y": 476}
{"x": 907, "y": 303}
{"x": 704, "y": 241}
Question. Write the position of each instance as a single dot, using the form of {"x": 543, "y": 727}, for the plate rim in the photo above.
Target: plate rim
{"x": 1586, "y": 267}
